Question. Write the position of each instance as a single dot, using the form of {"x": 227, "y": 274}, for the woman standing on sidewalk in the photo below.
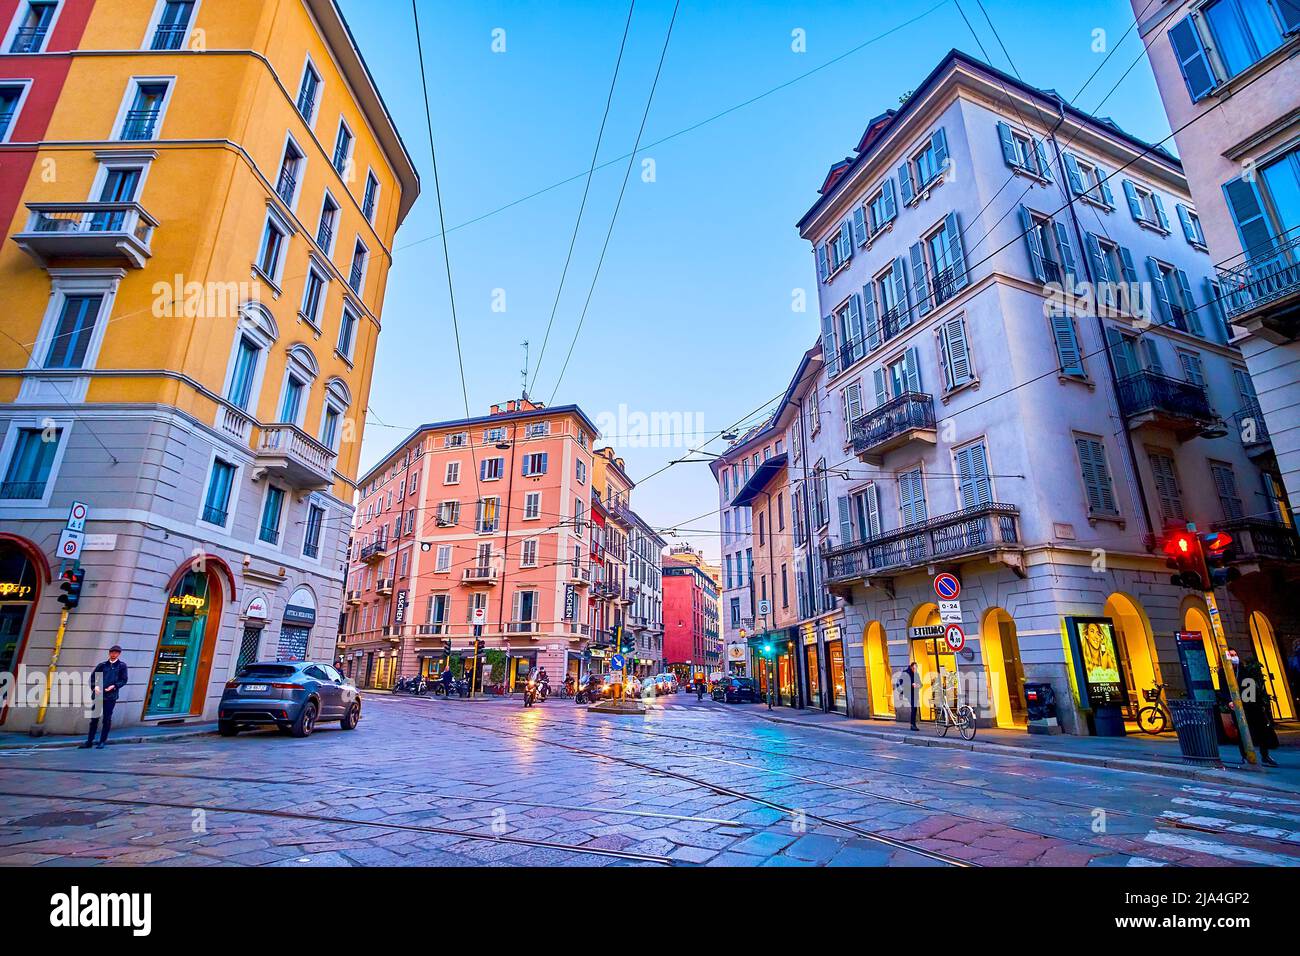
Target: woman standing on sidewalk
{"x": 1259, "y": 711}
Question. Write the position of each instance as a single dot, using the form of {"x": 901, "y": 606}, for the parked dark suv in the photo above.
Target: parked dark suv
{"x": 736, "y": 690}
{"x": 293, "y": 695}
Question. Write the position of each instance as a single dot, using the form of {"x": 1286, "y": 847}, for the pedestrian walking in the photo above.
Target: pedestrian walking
{"x": 1259, "y": 711}
{"x": 112, "y": 676}
{"x": 446, "y": 680}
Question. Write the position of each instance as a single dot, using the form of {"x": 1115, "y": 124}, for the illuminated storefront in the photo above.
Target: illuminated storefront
{"x": 20, "y": 588}
{"x": 184, "y": 655}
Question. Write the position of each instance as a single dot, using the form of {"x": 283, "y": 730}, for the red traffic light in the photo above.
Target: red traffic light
{"x": 1180, "y": 544}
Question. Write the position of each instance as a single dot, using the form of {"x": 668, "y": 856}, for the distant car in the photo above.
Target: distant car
{"x": 663, "y": 685}
{"x": 673, "y": 686}
{"x": 736, "y": 690}
{"x": 295, "y": 696}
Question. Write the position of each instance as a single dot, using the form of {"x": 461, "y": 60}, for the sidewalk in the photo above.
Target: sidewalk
{"x": 1138, "y": 754}
{"x": 128, "y": 735}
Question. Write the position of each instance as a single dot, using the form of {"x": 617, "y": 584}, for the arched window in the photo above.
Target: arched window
{"x": 299, "y": 374}
{"x": 254, "y": 335}
{"x": 338, "y": 399}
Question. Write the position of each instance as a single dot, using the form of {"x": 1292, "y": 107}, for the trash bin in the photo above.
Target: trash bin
{"x": 1195, "y": 722}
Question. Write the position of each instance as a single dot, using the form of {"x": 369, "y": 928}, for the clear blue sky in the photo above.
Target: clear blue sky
{"x": 692, "y": 312}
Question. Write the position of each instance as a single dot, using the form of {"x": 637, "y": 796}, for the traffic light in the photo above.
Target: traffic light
{"x": 70, "y": 585}
{"x": 1215, "y": 546}
{"x": 1184, "y": 556}
{"x": 626, "y": 641}
{"x": 446, "y": 646}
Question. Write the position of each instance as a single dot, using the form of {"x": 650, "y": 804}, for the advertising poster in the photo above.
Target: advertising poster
{"x": 1096, "y": 659}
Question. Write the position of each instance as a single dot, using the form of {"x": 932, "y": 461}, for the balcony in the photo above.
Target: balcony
{"x": 576, "y": 629}
{"x": 293, "y": 456}
{"x": 170, "y": 36}
{"x": 523, "y": 627}
{"x": 605, "y": 591}
{"x": 354, "y": 596}
{"x": 433, "y": 630}
{"x": 479, "y": 575}
{"x": 374, "y": 551}
{"x": 1252, "y": 429}
{"x": 119, "y": 232}
{"x": 898, "y": 422}
{"x": 1261, "y": 289}
{"x": 1256, "y": 541}
{"x": 384, "y": 586}
{"x": 1150, "y": 398}
{"x": 579, "y": 576}
{"x": 139, "y": 125}
{"x": 991, "y": 530}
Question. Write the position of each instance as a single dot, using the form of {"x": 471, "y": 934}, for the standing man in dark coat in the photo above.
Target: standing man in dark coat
{"x": 112, "y": 678}
{"x": 1257, "y": 705}
{"x": 909, "y": 678}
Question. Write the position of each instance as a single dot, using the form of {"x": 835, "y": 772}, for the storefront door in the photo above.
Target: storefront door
{"x": 839, "y": 692}
{"x": 813, "y": 663}
{"x": 18, "y": 593}
{"x": 934, "y": 659}
{"x": 183, "y": 655}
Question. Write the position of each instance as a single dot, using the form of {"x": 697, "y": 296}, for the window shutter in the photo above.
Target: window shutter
{"x": 860, "y": 226}
{"x": 1044, "y": 167}
{"x": 1288, "y": 14}
{"x": 1103, "y": 181}
{"x": 1096, "y": 478}
{"x": 888, "y": 201}
{"x": 514, "y": 615}
{"x": 1154, "y": 362}
{"x": 905, "y": 183}
{"x": 1067, "y": 252}
{"x": 854, "y": 331}
{"x": 956, "y": 354}
{"x": 873, "y": 320}
{"x": 830, "y": 353}
{"x": 846, "y": 241}
{"x": 1189, "y": 304}
{"x": 1161, "y": 295}
{"x": 1134, "y": 204}
{"x": 846, "y": 520}
{"x": 1161, "y": 218}
{"x": 912, "y": 370}
{"x": 823, "y": 265}
{"x": 1166, "y": 479}
{"x": 1035, "y": 244}
{"x": 920, "y": 281}
{"x": 1248, "y": 213}
{"x": 973, "y": 476}
{"x": 956, "y": 254}
{"x": 1073, "y": 174}
{"x": 1214, "y": 303}
{"x": 899, "y": 278}
{"x": 1130, "y": 270}
{"x": 873, "y": 510}
{"x": 882, "y": 393}
{"x": 1189, "y": 231}
{"x": 1121, "y": 350}
{"x": 1068, "y": 353}
{"x": 1100, "y": 266}
{"x": 1192, "y": 59}
{"x": 939, "y": 144}
{"x": 1008, "y": 145}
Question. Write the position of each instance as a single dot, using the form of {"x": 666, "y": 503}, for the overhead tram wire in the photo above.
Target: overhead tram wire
{"x": 627, "y": 173}
{"x": 697, "y": 125}
{"x": 586, "y": 190}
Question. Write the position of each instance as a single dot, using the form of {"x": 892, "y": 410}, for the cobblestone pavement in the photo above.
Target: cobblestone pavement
{"x": 434, "y": 782}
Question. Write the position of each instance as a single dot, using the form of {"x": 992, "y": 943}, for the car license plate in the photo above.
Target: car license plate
{"x": 254, "y": 687}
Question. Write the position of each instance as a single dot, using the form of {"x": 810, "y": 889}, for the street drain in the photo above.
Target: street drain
{"x": 68, "y": 818}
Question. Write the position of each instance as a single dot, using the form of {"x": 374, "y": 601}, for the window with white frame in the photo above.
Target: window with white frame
{"x": 534, "y": 465}
{"x": 443, "y": 562}
{"x": 327, "y": 229}
{"x": 313, "y": 295}
{"x": 299, "y": 373}
{"x": 69, "y": 337}
{"x": 217, "y": 501}
{"x": 343, "y": 144}
{"x": 370, "y": 201}
{"x": 268, "y": 530}
{"x": 580, "y": 471}
{"x": 456, "y": 440}
{"x": 452, "y": 474}
{"x": 1146, "y": 206}
{"x": 488, "y": 516}
{"x": 270, "y": 254}
{"x": 360, "y": 262}
{"x": 309, "y": 92}
{"x": 312, "y": 534}
{"x": 537, "y": 429}
{"x": 337, "y": 401}
{"x": 491, "y": 469}
{"x": 528, "y": 554}
{"x": 289, "y": 183}
{"x": 12, "y": 96}
{"x": 532, "y": 506}
{"x": 32, "y": 25}
{"x": 143, "y": 109}
{"x": 170, "y": 27}
{"x": 347, "y": 333}
{"x": 1191, "y": 223}
{"x": 32, "y": 454}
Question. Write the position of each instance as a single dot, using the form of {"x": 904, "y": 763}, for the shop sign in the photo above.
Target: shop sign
{"x": 296, "y": 614}
{"x": 188, "y": 603}
{"x": 1096, "y": 659}
{"x": 399, "y": 611}
{"x": 736, "y": 652}
{"x": 927, "y": 633}
{"x": 570, "y": 602}
{"x": 257, "y": 609}
{"x": 14, "y": 591}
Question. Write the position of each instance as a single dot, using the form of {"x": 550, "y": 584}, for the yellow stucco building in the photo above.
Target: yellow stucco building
{"x": 202, "y": 200}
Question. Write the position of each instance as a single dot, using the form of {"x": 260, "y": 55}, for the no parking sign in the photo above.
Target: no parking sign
{"x": 947, "y": 586}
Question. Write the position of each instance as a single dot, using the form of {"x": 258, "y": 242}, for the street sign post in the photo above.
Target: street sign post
{"x": 950, "y": 612}
{"x": 616, "y": 662}
{"x": 77, "y": 515}
{"x": 70, "y": 543}
{"x": 947, "y": 586}
{"x": 955, "y": 637}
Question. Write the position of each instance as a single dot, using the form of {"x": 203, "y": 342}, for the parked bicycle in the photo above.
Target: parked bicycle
{"x": 963, "y": 718}
{"x": 1154, "y": 718}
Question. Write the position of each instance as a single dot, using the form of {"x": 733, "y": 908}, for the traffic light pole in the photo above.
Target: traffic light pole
{"x": 1230, "y": 677}
{"x": 38, "y": 729}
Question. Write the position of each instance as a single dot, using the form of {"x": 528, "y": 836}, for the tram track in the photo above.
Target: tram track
{"x": 626, "y": 855}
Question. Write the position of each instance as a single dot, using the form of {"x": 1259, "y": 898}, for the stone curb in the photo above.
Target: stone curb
{"x": 1186, "y": 772}
{"x": 64, "y": 743}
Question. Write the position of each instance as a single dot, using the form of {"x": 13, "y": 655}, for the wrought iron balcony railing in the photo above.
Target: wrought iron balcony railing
{"x": 169, "y": 37}
{"x": 1257, "y": 539}
{"x": 287, "y": 185}
{"x": 892, "y": 424}
{"x": 1263, "y": 276}
{"x": 373, "y": 551}
{"x": 977, "y": 530}
{"x": 29, "y": 39}
{"x": 139, "y": 125}
{"x": 1151, "y": 393}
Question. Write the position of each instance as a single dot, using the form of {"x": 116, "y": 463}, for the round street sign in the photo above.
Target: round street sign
{"x": 616, "y": 662}
{"x": 955, "y": 637}
{"x": 946, "y": 586}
